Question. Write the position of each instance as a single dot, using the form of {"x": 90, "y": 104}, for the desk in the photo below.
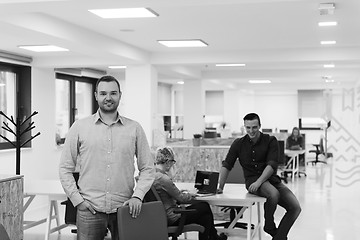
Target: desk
{"x": 234, "y": 195}
{"x": 293, "y": 163}
{"x": 53, "y": 190}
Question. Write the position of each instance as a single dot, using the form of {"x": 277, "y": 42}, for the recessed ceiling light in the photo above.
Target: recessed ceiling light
{"x": 180, "y": 82}
{"x": 124, "y": 13}
{"x": 230, "y": 65}
{"x": 43, "y": 48}
{"x": 327, "y": 24}
{"x": 329, "y": 80}
{"x": 259, "y": 81}
{"x": 329, "y": 65}
{"x": 183, "y": 43}
{"x": 327, "y": 42}
{"x": 117, "y": 67}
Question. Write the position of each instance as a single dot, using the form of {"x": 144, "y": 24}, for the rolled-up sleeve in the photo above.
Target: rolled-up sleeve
{"x": 272, "y": 158}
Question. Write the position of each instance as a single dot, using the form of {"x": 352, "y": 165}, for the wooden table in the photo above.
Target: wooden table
{"x": 235, "y": 195}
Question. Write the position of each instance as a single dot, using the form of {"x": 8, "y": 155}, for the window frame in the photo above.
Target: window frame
{"x": 22, "y": 99}
{"x": 72, "y": 95}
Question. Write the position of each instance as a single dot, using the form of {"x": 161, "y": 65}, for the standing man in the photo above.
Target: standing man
{"x": 258, "y": 154}
{"x": 103, "y": 147}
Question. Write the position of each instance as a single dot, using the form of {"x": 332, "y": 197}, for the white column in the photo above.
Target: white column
{"x": 140, "y": 97}
{"x": 194, "y": 105}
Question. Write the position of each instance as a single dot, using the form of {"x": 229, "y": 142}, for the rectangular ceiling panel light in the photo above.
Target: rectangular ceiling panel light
{"x": 327, "y": 42}
{"x": 230, "y": 65}
{"x": 124, "y": 13}
{"x": 183, "y": 43}
{"x": 327, "y": 24}
{"x": 329, "y": 65}
{"x": 259, "y": 81}
{"x": 43, "y": 48}
{"x": 117, "y": 67}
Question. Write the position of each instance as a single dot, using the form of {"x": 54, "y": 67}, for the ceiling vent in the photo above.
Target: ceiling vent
{"x": 327, "y": 8}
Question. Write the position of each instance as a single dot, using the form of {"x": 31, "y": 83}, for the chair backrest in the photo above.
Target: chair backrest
{"x": 321, "y": 145}
{"x": 236, "y": 175}
{"x": 151, "y": 224}
{"x": 152, "y": 195}
{"x": 3, "y": 234}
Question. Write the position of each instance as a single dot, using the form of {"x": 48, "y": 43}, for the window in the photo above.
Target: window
{"x": 15, "y": 98}
{"x": 74, "y": 100}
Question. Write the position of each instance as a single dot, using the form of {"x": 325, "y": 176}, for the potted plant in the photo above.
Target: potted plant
{"x": 196, "y": 140}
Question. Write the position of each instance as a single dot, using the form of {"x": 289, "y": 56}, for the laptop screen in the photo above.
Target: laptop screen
{"x": 206, "y": 181}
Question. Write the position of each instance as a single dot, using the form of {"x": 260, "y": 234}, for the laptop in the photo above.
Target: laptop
{"x": 206, "y": 183}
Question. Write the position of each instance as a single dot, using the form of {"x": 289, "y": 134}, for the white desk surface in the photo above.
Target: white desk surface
{"x": 233, "y": 195}
{"x": 51, "y": 188}
{"x": 294, "y": 152}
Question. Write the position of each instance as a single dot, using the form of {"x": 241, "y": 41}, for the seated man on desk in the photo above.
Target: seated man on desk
{"x": 258, "y": 154}
{"x": 170, "y": 195}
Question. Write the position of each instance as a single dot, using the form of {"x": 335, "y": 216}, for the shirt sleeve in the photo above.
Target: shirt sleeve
{"x": 67, "y": 166}
{"x": 273, "y": 153}
{"x": 170, "y": 187}
{"x": 145, "y": 163}
{"x": 232, "y": 155}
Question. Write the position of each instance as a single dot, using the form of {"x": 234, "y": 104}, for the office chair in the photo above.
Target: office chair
{"x": 3, "y": 234}
{"x": 236, "y": 175}
{"x": 319, "y": 151}
{"x": 145, "y": 226}
{"x": 175, "y": 231}
{"x": 70, "y": 210}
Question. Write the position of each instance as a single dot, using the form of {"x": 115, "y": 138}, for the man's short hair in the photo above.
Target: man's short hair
{"x": 107, "y": 78}
{"x": 252, "y": 116}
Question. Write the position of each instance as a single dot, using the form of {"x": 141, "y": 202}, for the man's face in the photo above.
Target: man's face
{"x": 252, "y": 128}
{"x": 108, "y": 96}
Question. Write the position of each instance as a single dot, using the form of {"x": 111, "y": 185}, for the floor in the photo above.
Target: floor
{"x": 330, "y": 209}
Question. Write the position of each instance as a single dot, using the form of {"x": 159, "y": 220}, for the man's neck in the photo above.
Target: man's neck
{"x": 108, "y": 117}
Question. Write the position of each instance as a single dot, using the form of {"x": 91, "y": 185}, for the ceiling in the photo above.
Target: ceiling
{"x": 278, "y": 40}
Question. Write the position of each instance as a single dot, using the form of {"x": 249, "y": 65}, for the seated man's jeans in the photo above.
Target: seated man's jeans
{"x": 94, "y": 226}
{"x": 279, "y": 194}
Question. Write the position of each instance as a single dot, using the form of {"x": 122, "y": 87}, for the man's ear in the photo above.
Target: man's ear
{"x": 95, "y": 95}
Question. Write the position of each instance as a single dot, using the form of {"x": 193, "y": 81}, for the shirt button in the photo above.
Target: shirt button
{"x": 108, "y": 179}
{"x": 108, "y": 166}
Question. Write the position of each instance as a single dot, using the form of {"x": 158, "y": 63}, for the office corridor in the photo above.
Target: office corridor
{"x": 330, "y": 209}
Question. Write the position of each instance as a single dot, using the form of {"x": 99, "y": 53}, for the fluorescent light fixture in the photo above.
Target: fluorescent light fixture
{"x": 230, "y": 65}
{"x": 327, "y": 24}
{"x": 180, "y": 82}
{"x": 117, "y": 67}
{"x": 327, "y": 42}
{"x": 183, "y": 43}
{"x": 124, "y": 13}
{"x": 259, "y": 81}
{"x": 329, "y": 65}
{"x": 44, "y": 48}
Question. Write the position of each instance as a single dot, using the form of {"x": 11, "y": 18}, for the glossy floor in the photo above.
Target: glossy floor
{"x": 330, "y": 209}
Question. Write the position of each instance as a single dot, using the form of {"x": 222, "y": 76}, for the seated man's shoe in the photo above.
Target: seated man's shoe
{"x": 222, "y": 236}
{"x": 271, "y": 231}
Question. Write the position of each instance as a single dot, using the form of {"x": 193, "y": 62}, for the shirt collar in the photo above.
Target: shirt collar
{"x": 98, "y": 118}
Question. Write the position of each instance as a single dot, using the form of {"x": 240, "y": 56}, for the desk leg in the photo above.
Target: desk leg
{"x": 48, "y": 220}
{"x": 259, "y": 219}
{"x": 248, "y": 234}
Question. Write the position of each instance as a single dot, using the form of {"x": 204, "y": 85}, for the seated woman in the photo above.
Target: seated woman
{"x": 295, "y": 141}
{"x": 170, "y": 196}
